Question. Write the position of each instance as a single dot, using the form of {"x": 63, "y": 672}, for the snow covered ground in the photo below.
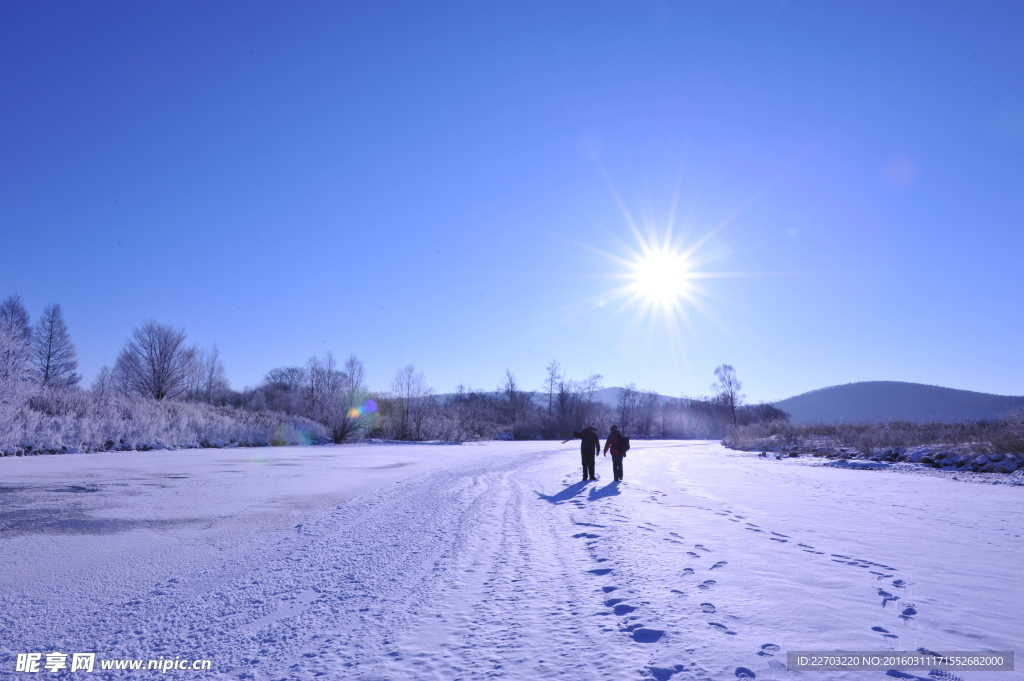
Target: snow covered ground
{"x": 493, "y": 561}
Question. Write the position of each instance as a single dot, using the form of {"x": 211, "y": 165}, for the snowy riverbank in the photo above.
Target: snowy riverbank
{"x": 494, "y": 561}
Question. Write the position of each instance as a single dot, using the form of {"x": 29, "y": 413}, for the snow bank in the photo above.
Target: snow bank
{"x": 975, "y": 457}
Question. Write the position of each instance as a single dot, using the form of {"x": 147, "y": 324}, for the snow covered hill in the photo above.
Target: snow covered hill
{"x": 493, "y": 560}
{"x": 881, "y": 401}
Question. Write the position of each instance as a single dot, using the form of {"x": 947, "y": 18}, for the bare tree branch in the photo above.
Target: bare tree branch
{"x": 155, "y": 362}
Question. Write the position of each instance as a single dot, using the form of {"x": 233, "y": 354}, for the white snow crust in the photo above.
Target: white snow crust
{"x": 493, "y": 561}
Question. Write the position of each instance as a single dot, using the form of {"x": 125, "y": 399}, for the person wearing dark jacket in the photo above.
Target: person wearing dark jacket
{"x": 613, "y": 443}
{"x": 589, "y": 448}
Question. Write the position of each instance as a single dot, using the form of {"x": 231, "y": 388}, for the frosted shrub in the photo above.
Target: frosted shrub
{"x": 54, "y": 421}
{"x": 987, "y": 446}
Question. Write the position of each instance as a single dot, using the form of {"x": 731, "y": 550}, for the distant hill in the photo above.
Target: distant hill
{"x": 879, "y": 401}
{"x": 609, "y": 396}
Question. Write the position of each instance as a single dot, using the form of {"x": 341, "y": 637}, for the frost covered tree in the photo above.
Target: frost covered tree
{"x": 514, "y": 401}
{"x": 215, "y": 382}
{"x": 629, "y": 398}
{"x": 335, "y": 395}
{"x": 155, "y": 362}
{"x": 411, "y": 397}
{"x": 285, "y": 379}
{"x": 592, "y": 384}
{"x": 209, "y": 382}
{"x": 102, "y": 385}
{"x": 14, "y": 315}
{"x": 16, "y": 384}
{"x": 53, "y": 353}
{"x": 520, "y": 411}
{"x": 353, "y": 376}
{"x": 321, "y": 384}
{"x": 551, "y": 382}
{"x": 281, "y": 389}
{"x": 727, "y": 388}
{"x": 347, "y": 416}
{"x": 646, "y": 412}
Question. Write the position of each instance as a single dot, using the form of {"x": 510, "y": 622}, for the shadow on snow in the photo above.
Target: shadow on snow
{"x": 609, "y": 490}
{"x": 576, "y": 489}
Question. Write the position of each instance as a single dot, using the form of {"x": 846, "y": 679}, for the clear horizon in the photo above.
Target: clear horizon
{"x": 467, "y": 188}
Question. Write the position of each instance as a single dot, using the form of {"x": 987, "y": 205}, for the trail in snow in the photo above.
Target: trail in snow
{"x": 496, "y": 562}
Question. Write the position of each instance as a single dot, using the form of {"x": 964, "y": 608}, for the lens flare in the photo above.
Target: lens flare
{"x": 367, "y": 407}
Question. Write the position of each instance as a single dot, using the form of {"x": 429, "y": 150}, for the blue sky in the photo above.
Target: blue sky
{"x": 449, "y": 185}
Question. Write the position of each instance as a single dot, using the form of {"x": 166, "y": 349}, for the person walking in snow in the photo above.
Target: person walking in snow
{"x": 617, "y": 443}
{"x": 589, "y": 448}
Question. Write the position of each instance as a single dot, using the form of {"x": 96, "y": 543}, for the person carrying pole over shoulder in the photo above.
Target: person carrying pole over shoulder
{"x": 589, "y": 448}
{"x": 618, "y": 443}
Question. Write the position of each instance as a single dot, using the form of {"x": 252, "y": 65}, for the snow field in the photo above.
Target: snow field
{"x": 495, "y": 561}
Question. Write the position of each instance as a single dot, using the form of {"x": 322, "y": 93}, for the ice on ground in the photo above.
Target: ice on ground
{"x": 494, "y": 561}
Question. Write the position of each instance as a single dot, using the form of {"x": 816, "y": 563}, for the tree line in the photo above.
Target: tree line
{"x": 157, "y": 372}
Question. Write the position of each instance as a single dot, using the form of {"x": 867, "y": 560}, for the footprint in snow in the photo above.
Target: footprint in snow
{"x": 623, "y": 609}
{"x": 665, "y": 673}
{"x": 585, "y": 535}
{"x": 613, "y": 601}
{"x": 707, "y": 607}
{"x": 722, "y": 628}
{"x": 884, "y": 632}
{"x": 768, "y": 650}
{"x": 908, "y": 613}
{"x": 701, "y": 547}
{"x": 608, "y": 589}
{"x": 691, "y": 553}
{"x": 777, "y": 539}
{"x": 687, "y": 572}
{"x": 754, "y": 529}
{"x": 899, "y": 583}
{"x": 806, "y": 546}
{"x": 706, "y": 585}
{"x": 777, "y": 534}
{"x": 600, "y": 571}
{"x": 886, "y": 597}
{"x": 744, "y": 673}
{"x": 645, "y": 635}
{"x": 721, "y": 563}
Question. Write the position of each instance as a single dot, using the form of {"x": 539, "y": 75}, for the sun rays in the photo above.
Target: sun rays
{"x": 659, "y": 277}
{"x": 663, "y": 258}
{"x": 656, "y": 286}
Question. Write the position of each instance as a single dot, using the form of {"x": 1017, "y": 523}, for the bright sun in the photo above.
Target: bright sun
{"x": 661, "y": 277}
